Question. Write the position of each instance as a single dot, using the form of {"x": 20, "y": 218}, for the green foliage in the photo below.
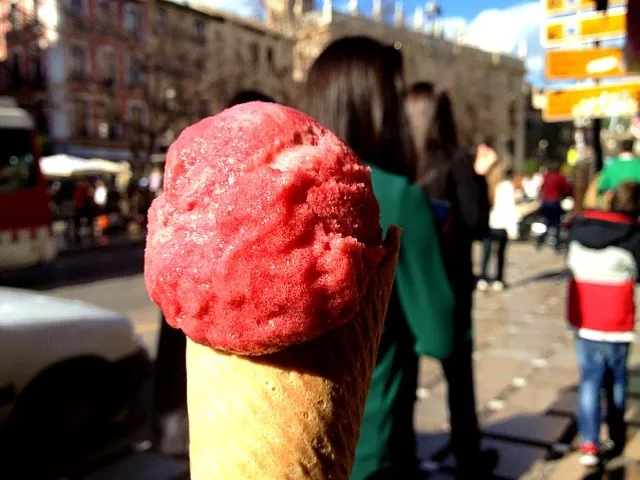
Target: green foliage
{"x": 529, "y": 167}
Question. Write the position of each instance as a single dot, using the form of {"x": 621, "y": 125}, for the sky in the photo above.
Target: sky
{"x": 495, "y": 25}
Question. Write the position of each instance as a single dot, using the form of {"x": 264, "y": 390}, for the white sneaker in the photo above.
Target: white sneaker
{"x": 483, "y": 285}
{"x": 497, "y": 286}
{"x": 589, "y": 460}
{"x": 589, "y": 455}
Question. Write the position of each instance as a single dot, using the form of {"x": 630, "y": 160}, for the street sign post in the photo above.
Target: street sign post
{"x": 592, "y": 102}
{"x": 589, "y": 27}
{"x": 563, "y": 7}
{"x": 584, "y": 64}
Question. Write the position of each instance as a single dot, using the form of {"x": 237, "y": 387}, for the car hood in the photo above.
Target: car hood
{"x": 26, "y": 308}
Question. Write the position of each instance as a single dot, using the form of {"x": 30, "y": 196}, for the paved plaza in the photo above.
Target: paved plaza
{"x": 525, "y": 367}
{"x": 526, "y": 381}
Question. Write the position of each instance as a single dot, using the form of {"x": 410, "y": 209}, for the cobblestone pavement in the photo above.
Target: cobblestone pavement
{"x": 526, "y": 382}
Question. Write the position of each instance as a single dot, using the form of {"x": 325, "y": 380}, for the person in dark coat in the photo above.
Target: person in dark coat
{"x": 455, "y": 175}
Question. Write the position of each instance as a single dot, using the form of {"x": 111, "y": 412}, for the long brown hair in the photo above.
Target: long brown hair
{"x": 440, "y": 141}
{"x": 353, "y": 89}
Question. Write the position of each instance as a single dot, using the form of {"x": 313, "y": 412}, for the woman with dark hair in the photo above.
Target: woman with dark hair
{"x": 353, "y": 88}
{"x": 449, "y": 174}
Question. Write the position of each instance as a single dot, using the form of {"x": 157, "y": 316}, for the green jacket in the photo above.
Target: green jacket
{"x": 620, "y": 170}
{"x": 419, "y": 322}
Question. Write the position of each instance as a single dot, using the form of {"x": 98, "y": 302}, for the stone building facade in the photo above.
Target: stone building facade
{"x": 487, "y": 89}
{"x": 241, "y": 55}
{"x": 70, "y": 62}
{"x": 203, "y": 58}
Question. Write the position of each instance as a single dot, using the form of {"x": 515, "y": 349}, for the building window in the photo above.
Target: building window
{"x": 136, "y": 116}
{"x": 161, "y": 18}
{"x": 16, "y": 69}
{"x": 198, "y": 31}
{"x": 77, "y": 7}
{"x": 78, "y": 63}
{"x": 135, "y": 71}
{"x": 132, "y": 21}
{"x": 107, "y": 66}
{"x": 37, "y": 77}
{"x": 217, "y": 37}
{"x": 80, "y": 118}
{"x": 270, "y": 62}
{"x": 105, "y": 12}
{"x": 255, "y": 53}
{"x": 103, "y": 116}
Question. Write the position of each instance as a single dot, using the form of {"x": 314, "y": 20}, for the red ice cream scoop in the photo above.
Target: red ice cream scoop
{"x": 266, "y": 234}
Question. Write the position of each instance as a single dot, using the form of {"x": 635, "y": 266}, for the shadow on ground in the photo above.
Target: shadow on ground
{"x": 79, "y": 268}
{"x": 542, "y": 445}
{"x": 560, "y": 274}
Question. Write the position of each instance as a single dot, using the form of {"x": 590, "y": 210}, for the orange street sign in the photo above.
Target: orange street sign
{"x": 588, "y": 27}
{"x": 562, "y": 7}
{"x": 583, "y": 64}
{"x": 591, "y": 102}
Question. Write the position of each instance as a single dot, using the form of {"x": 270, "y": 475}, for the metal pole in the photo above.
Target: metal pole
{"x": 582, "y": 174}
{"x": 597, "y": 126}
{"x": 597, "y": 144}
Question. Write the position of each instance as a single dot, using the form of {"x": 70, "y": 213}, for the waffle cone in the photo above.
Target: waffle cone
{"x": 294, "y": 414}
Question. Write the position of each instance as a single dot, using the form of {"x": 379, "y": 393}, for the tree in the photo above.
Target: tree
{"x": 181, "y": 71}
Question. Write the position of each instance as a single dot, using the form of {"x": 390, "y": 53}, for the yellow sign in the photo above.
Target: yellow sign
{"x": 592, "y": 102}
{"x": 581, "y": 64}
{"x": 588, "y": 27}
{"x": 572, "y": 157}
{"x": 562, "y": 7}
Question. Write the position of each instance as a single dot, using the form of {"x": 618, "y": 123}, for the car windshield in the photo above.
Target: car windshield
{"x": 18, "y": 169}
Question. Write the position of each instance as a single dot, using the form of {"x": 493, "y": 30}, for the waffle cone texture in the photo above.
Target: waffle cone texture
{"x": 294, "y": 414}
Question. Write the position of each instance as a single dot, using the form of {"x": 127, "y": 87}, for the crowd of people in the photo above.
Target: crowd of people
{"x": 436, "y": 190}
{"x": 445, "y": 196}
{"x": 94, "y": 207}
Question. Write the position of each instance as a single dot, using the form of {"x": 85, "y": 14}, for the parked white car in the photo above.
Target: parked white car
{"x": 68, "y": 371}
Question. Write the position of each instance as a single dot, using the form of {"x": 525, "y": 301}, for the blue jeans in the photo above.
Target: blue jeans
{"x": 551, "y": 214}
{"x": 602, "y": 365}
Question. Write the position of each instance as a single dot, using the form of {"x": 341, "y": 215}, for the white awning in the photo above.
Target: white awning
{"x": 60, "y": 165}
{"x": 67, "y": 166}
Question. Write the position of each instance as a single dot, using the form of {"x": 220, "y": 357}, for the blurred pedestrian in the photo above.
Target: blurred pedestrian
{"x": 604, "y": 260}
{"x": 503, "y": 226}
{"x": 352, "y": 88}
{"x": 84, "y": 208}
{"x": 555, "y": 188}
{"x": 455, "y": 175}
{"x": 623, "y": 168}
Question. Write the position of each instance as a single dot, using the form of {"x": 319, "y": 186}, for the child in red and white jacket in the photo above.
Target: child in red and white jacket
{"x": 604, "y": 260}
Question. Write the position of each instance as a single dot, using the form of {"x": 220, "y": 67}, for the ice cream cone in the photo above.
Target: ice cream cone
{"x": 294, "y": 414}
